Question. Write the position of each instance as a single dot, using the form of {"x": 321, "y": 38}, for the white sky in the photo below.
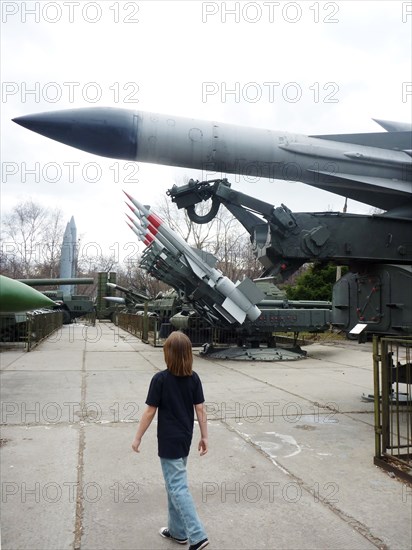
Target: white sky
{"x": 162, "y": 59}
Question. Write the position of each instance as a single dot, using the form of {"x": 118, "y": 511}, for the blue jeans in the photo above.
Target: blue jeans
{"x": 183, "y": 519}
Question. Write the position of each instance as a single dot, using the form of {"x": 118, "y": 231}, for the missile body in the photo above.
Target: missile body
{"x": 149, "y": 230}
{"x": 237, "y": 303}
{"x": 163, "y": 261}
{"x": 142, "y": 236}
{"x": 49, "y": 282}
{"x": 115, "y": 299}
{"x": 131, "y": 296}
{"x": 16, "y": 297}
{"x": 73, "y": 231}
{"x": 374, "y": 168}
{"x": 68, "y": 258}
{"x": 171, "y": 259}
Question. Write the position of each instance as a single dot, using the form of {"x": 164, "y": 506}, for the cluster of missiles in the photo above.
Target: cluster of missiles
{"x": 192, "y": 272}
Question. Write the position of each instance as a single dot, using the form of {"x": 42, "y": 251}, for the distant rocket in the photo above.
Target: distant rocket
{"x": 68, "y": 257}
{"x": 233, "y": 302}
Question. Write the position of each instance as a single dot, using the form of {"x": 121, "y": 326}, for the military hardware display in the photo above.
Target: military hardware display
{"x": 131, "y": 300}
{"x": 72, "y": 305}
{"x": 208, "y": 296}
{"x": 373, "y": 168}
{"x": 373, "y": 293}
{"x": 219, "y": 299}
{"x": 63, "y": 297}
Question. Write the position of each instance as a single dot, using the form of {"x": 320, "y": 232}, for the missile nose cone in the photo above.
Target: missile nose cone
{"x": 131, "y": 208}
{"x": 128, "y": 196}
{"x": 103, "y": 131}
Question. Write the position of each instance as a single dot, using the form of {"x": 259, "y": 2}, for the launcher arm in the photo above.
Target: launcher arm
{"x": 283, "y": 241}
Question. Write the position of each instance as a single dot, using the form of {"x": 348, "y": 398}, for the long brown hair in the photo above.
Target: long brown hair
{"x": 178, "y": 354}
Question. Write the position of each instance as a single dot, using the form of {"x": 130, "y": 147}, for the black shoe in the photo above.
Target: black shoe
{"x": 202, "y": 544}
{"x": 165, "y": 533}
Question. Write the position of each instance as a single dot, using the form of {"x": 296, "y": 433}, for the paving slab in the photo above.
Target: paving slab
{"x": 317, "y": 382}
{"x": 232, "y": 492}
{"x": 9, "y": 356}
{"x": 290, "y": 462}
{"x": 52, "y": 360}
{"x": 117, "y": 396}
{"x": 39, "y": 398}
{"x": 39, "y": 487}
{"x": 333, "y": 461}
{"x": 116, "y": 359}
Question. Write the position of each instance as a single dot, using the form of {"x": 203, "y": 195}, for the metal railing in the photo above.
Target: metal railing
{"x": 41, "y": 325}
{"x": 154, "y": 330}
{"x": 89, "y": 319}
{"x": 393, "y": 404}
{"x": 144, "y": 326}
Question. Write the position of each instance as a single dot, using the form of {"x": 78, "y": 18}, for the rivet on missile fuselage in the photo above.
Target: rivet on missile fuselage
{"x": 195, "y": 134}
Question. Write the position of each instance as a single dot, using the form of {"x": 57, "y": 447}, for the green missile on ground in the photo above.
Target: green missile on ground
{"x": 16, "y": 297}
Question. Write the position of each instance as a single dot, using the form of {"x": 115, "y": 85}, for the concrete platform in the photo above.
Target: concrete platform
{"x": 290, "y": 464}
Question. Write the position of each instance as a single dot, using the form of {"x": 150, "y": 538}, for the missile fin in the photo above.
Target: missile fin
{"x": 382, "y": 140}
{"x": 392, "y": 126}
{"x": 251, "y": 291}
{"x": 234, "y": 310}
{"x": 225, "y": 314}
{"x": 207, "y": 257}
{"x": 197, "y": 270}
{"x": 397, "y": 186}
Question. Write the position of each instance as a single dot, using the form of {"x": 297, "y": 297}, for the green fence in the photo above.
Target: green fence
{"x": 393, "y": 404}
{"x": 41, "y": 325}
{"x": 153, "y": 330}
{"x": 144, "y": 327}
{"x": 89, "y": 319}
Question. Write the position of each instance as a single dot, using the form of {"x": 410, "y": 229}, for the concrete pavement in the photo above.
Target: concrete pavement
{"x": 290, "y": 462}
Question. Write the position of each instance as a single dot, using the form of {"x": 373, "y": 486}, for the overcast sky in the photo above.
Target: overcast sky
{"x": 333, "y": 66}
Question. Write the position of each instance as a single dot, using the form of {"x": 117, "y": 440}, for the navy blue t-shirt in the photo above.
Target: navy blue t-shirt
{"x": 174, "y": 396}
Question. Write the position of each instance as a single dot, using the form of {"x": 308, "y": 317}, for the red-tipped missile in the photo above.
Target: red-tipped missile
{"x": 158, "y": 226}
{"x": 240, "y": 299}
{"x": 148, "y": 231}
{"x": 147, "y": 241}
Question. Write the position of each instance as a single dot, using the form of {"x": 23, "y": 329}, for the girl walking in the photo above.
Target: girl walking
{"x": 176, "y": 393}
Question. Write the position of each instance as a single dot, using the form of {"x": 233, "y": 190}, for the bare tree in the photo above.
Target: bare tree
{"x": 88, "y": 264}
{"x": 131, "y": 275}
{"x": 52, "y": 243}
{"x": 31, "y": 236}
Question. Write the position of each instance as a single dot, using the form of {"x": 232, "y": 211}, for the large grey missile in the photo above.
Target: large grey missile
{"x": 374, "y": 168}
